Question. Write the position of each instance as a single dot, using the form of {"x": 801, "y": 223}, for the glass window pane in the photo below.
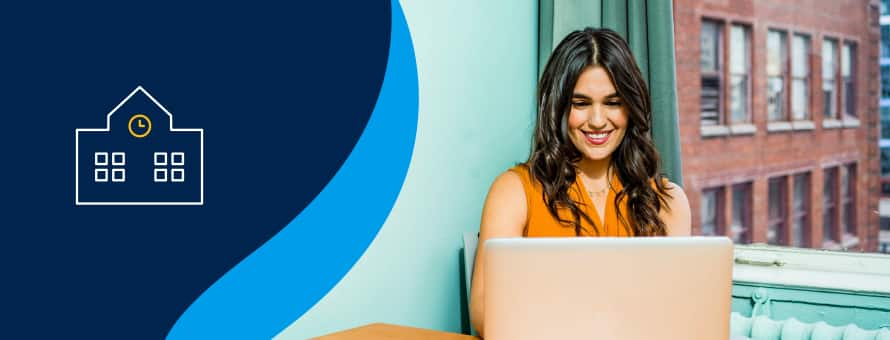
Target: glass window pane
{"x": 775, "y": 95}
{"x": 739, "y": 98}
{"x": 885, "y": 81}
{"x": 829, "y": 69}
{"x": 885, "y": 161}
{"x": 738, "y": 50}
{"x": 775, "y": 50}
{"x": 800, "y": 99}
{"x": 848, "y": 70}
{"x": 829, "y": 204}
{"x": 709, "y": 212}
{"x": 741, "y": 217}
{"x": 885, "y": 41}
{"x": 800, "y": 66}
{"x": 828, "y": 59}
{"x": 710, "y": 32}
{"x": 885, "y": 122}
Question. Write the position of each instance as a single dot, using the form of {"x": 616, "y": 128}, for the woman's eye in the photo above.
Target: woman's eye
{"x": 580, "y": 104}
{"x": 614, "y": 103}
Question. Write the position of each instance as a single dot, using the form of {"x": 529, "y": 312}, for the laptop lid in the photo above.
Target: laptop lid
{"x": 608, "y": 288}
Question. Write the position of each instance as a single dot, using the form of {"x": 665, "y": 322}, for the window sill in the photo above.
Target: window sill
{"x": 778, "y": 126}
{"x": 832, "y": 124}
{"x": 850, "y": 241}
{"x": 714, "y": 130}
{"x": 851, "y": 123}
{"x": 742, "y": 129}
{"x": 803, "y": 125}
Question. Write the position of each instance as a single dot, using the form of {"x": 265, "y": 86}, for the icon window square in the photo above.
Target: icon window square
{"x": 101, "y": 158}
{"x": 118, "y": 175}
{"x": 160, "y": 175}
{"x": 101, "y": 175}
{"x": 160, "y": 158}
{"x": 118, "y": 158}
{"x": 177, "y": 175}
{"x": 177, "y": 158}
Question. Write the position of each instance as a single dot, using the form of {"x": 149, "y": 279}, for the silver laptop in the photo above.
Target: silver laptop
{"x": 608, "y": 288}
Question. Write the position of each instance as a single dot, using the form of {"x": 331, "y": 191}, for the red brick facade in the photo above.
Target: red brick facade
{"x": 727, "y": 159}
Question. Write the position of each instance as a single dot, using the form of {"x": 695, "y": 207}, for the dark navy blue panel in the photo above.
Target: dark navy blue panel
{"x": 281, "y": 91}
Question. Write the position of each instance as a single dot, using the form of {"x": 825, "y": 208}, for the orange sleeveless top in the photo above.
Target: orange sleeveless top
{"x": 540, "y": 223}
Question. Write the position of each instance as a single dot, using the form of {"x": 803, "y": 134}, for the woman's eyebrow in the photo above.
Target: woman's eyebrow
{"x": 584, "y": 96}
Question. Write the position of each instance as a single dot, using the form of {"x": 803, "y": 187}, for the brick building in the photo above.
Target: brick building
{"x": 778, "y": 105}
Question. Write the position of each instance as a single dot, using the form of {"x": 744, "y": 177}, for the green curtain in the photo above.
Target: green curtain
{"x": 648, "y": 26}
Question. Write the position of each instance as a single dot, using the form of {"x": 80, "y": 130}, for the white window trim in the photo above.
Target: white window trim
{"x": 123, "y": 157}
{"x": 714, "y": 130}
{"x": 778, "y": 126}
{"x": 832, "y": 124}
{"x": 181, "y": 158}
{"x": 164, "y": 162}
{"x": 743, "y": 129}
{"x": 96, "y": 158}
{"x": 803, "y": 125}
{"x": 850, "y": 122}
{"x": 862, "y": 272}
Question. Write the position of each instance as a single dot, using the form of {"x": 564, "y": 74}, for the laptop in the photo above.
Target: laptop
{"x": 608, "y": 288}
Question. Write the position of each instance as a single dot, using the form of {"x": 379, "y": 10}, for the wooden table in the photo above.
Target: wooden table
{"x": 382, "y": 331}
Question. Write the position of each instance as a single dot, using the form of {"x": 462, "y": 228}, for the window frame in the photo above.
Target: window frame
{"x": 747, "y": 189}
{"x": 807, "y": 79}
{"x": 784, "y": 74}
{"x": 748, "y": 53}
{"x": 781, "y": 221}
{"x": 835, "y": 72}
{"x": 848, "y": 99}
{"x": 718, "y": 71}
{"x": 719, "y": 213}
{"x": 830, "y": 208}
{"x": 803, "y": 213}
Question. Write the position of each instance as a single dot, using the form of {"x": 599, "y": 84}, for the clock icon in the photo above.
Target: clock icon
{"x": 139, "y": 125}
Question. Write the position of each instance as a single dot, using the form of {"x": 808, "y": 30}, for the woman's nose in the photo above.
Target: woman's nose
{"x": 597, "y": 117}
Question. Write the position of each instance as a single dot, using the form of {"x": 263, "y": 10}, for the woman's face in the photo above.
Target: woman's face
{"x": 598, "y": 117}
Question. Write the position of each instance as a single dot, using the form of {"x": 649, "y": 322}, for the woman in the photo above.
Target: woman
{"x": 592, "y": 152}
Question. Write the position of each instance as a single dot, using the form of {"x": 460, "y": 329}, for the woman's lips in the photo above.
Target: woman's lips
{"x": 597, "y": 138}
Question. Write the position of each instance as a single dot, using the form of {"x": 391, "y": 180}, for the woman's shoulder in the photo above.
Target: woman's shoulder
{"x": 677, "y": 215}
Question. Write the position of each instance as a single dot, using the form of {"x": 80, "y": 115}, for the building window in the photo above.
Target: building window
{"x": 776, "y": 229}
{"x": 741, "y": 213}
{"x": 169, "y": 167}
{"x": 110, "y": 167}
{"x": 885, "y": 122}
{"x": 885, "y": 170}
{"x": 739, "y": 72}
{"x": 829, "y": 207}
{"x": 848, "y": 75}
{"x": 776, "y": 73}
{"x": 829, "y": 78}
{"x": 885, "y": 41}
{"x": 800, "y": 77}
{"x": 712, "y": 211}
{"x": 711, "y": 65}
{"x": 885, "y": 81}
{"x": 800, "y": 222}
{"x": 848, "y": 199}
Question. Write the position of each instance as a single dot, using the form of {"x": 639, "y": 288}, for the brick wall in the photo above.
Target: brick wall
{"x": 728, "y": 159}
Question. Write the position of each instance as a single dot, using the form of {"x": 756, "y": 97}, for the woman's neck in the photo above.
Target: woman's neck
{"x": 594, "y": 170}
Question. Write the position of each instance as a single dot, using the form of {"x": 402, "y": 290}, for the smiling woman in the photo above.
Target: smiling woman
{"x": 593, "y": 170}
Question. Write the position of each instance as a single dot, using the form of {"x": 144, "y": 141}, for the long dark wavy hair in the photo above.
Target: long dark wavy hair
{"x": 635, "y": 160}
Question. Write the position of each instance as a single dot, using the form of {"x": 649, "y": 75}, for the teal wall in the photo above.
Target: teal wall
{"x": 477, "y": 68}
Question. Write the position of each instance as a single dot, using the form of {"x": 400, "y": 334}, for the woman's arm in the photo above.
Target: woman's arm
{"x": 677, "y": 218}
{"x": 504, "y": 215}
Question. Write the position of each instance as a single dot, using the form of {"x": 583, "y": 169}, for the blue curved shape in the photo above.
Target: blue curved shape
{"x": 285, "y": 277}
